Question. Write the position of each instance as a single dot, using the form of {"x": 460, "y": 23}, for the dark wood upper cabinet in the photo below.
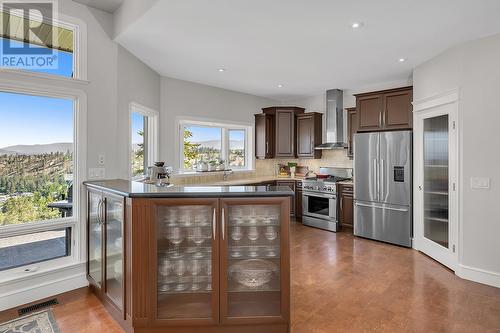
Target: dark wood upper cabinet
{"x": 264, "y": 136}
{"x": 352, "y": 128}
{"x": 385, "y": 110}
{"x": 369, "y": 110}
{"x": 285, "y": 131}
{"x": 309, "y": 134}
{"x": 398, "y": 112}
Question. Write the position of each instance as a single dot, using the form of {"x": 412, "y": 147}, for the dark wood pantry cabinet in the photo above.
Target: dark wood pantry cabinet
{"x": 385, "y": 110}
{"x": 346, "y": 205}
{"x": 352, "y": 128}
{"x": 309, "y": 134}
{"x": 169, "y": 260}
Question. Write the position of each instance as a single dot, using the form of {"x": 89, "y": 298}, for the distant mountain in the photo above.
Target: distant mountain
{"x": 215, "y": 144}
{"x": 61, "y": 147}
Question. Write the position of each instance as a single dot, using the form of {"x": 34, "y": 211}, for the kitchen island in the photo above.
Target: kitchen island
{"x": 190, "y": 258}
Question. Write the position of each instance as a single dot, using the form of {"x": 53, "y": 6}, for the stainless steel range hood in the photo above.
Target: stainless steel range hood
{"x": 334, "y": 118}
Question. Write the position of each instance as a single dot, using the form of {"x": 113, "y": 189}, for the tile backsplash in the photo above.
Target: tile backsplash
{"x": 330, "y": 158}
{"x": 267, "y": 168}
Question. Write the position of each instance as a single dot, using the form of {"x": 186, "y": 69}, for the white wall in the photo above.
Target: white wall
{"x": 136, "y": 83}
{"x": 473, "y": 68}
{"x": 187, "y": 99}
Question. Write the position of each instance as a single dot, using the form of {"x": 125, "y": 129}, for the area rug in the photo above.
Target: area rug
{"x": 39, "y": 322}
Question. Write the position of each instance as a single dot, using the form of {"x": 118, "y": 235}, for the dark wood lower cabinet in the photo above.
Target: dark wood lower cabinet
{"x": 346, "y": 205}
{"x": 192, "y": 264}
{"x": 291, "y": 184}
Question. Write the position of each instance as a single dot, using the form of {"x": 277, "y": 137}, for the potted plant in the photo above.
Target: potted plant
{"x": 202, "y": 166}
{"x": 222, "y": 165}
{"x": 212, "y": 165}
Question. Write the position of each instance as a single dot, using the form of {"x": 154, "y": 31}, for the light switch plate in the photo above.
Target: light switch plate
{"x": 481, "y": 183}
{"x": 97, "y": 173}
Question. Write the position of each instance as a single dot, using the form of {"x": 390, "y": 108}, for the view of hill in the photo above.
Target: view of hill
{"x": 30, "y": 182}
{"x": 61, "y": 147}
{"x": 215, "y": 144}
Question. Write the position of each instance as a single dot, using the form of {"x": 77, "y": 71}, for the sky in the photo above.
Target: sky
{"x": 202, "y": 133}
{"x": 137, "y": 125}
{"x": 28, "y": 119}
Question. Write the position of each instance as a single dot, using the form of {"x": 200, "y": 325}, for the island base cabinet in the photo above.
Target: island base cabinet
{"x": 210, "y": 265}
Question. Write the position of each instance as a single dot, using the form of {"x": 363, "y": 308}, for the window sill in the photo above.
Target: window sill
{"x": 28, "y": 74}
{"x": 208, "y": 173}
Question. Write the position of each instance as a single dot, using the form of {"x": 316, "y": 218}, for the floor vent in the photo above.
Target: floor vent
{"x": 38, "y": 306}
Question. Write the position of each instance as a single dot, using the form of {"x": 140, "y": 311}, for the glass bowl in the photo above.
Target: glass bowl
{"x": 253, "y": 273}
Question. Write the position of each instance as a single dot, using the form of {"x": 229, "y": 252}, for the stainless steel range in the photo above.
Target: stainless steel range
{"x": 319, "y": 198}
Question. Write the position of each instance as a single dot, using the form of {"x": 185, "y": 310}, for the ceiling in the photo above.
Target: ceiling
{"x": 306, "y": 46}
{"x": 107, "y": 5}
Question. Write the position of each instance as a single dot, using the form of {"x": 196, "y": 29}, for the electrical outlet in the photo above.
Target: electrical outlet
{"x": 97, "y": 173}
{"x": 481, "y": 183}
{"x": 100, "y": 159}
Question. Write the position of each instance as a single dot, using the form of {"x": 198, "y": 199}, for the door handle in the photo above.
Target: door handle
{"x": 382, "y": 180}
{"x": 223, "y": 223}
{"x": 100, "y": 219}
{"x": 375, "y": 178}
{"x": 214, "y": 228}
{"x": 267, "y": 147}
{"x": 381, "y": 207}
{"x": 103, "y": 210}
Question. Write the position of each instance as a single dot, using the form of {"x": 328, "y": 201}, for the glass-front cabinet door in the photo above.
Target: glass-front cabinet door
{"x": 95, "y": 237}
{"x": 114, "y": 223}
{"x": 187, "y": 257}
{"x": 253, "y": 239}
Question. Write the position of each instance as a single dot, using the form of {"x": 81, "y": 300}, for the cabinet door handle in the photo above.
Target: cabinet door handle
{"x": 98, "y": 216}
{"x": 214, "y": 228}
{"x": 380, "y": 119}
{"x": 341, "y": 199}
{"x": 223, "y": 223}
{"x": 267, "y": 147}
{"x": 103, "y": 211}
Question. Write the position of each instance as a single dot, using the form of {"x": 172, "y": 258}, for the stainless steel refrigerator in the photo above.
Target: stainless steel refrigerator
{"x": 383, "y": 186}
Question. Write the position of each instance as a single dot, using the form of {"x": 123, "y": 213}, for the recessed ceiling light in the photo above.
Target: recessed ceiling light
{"x": 280, "y": 86}
{"x": 221, "y": 70}
{"x": 356, "y": 25}
{"x": 402, "y": 59}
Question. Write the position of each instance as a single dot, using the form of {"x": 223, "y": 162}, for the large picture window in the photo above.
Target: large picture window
{"x": 210, "y": 143}
{"x": 36, "y": 173}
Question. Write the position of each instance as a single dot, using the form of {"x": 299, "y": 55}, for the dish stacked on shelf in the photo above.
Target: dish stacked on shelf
{"x": 254, "y": 247}
{"x": 185, "y": 253}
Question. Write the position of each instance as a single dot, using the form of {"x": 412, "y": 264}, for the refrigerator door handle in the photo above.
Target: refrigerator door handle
{"x": 382, "y": 180}
{"x": 381, "y": 207}
{"x": 375, "y": 179}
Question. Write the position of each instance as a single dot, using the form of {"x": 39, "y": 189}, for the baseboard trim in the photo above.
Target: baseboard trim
{"x": 478, "y": 275}
{"x": 40, "y": 287}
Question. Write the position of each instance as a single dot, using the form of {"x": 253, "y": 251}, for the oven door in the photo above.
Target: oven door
{"x": 319, "y": 205}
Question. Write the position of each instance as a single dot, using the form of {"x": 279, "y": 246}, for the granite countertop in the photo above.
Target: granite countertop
{"x": 140, "y": 190}
{"x": 254, "y": 180}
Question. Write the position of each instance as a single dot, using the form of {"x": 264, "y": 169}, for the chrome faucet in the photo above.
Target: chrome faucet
{"x": 226, "y": 174}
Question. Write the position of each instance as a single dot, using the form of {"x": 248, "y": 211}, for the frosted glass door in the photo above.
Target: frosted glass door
{"x": 95, "y": 237}
{"x": 253, "y": 260}
{"x": 187, "y": 266}
{"x": 114, "y": 249}
{"x": 436, "y": 179}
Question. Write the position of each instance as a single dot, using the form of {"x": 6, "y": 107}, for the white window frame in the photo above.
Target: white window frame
{"x": 22, "y": 82}
{"x": 225, "y": 126}
{"x": 79, "y": 170}
{"x": 79, "y": 28}
{"x": 152, "y": 138}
